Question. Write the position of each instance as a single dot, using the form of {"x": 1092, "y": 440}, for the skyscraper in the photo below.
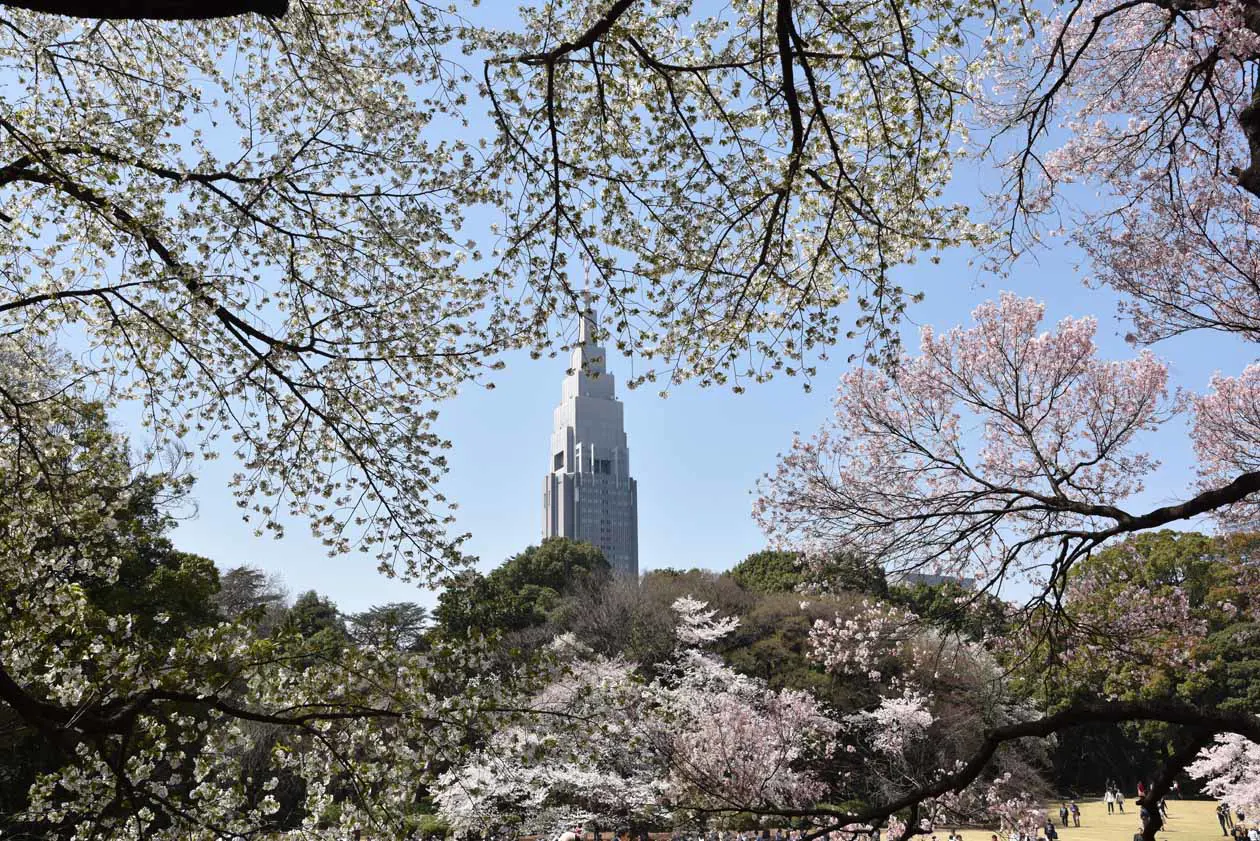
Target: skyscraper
{"x": 589, "y": 494}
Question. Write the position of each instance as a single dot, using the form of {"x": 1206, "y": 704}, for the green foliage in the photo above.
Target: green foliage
{"x": 774, "y": 571}
{"x": 769, "y": 571}
{"x": 851, "y": 572}
{"x": 522, "y": 593}
{"x": 1217, "y": 583}
{"x": 1204, "y": 567}
{"x": 165, "y": 591}
{"x": 398, "y": 625}
{"x": 313, "y": 626}
{"x": 772, "y": 643}
{"x": 313, "y": 614}
{"x": 468, "y": 603}
{"x": 1220, "y": 668}
{"x": 1234, "y": 679}
{"x": 431, "y": 825}
{"x": 954, "y": 609}
{"x": 557, "y": 564}
{"x": 247, "y": 593}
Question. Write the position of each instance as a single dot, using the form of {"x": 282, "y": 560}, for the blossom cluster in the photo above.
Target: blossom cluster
{"x": 1230, "y": 770}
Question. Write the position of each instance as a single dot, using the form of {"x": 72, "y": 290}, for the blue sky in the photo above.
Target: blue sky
{"x": 697, "y": 455}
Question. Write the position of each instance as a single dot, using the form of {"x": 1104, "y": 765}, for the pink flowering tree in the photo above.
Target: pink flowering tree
{"x": 599, "y": 743}
{"x": 998, "y": 449}
{"x": 1136, "y": 126}
{"x": 1154, "y": 105}
{"x": 937, "y": 699}
{"x": 734, "y": 744}
{"x": 1007, "y": 451}
{"x": 577, "y": 753}
{"x": 1230, "y": 769}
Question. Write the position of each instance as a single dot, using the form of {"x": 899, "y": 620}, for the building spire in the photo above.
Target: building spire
{"x": 586, "y": 327}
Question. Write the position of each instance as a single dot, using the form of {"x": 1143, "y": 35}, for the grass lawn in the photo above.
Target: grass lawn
{"x": 1188, "y": 820}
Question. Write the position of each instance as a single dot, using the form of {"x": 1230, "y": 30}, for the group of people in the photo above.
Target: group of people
{"x": 1114, "y": 798}
{"x": 1069, "y": 816}
{"x": 577, "y": 834}
{"x": 762, "y": 835}
{"x": 1066, "y": 811}
{"x": 1236, "y": 828}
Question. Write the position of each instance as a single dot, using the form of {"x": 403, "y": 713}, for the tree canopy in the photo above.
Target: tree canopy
{"x": 769, "y": 571}
{"x": 521, "y": 592}
{"x": 288, "y": 234}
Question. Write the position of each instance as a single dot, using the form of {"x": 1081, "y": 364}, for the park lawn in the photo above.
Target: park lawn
{"x": 1188, "y": 820}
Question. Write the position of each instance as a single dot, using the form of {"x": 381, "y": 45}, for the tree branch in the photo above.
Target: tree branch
{"x": 588, "y": 38}
{"x": 1210, "y": 500}
{"x": 784, "y": 28}
{"x": 154, "y": 9}
{"x": 1196, "y": 740}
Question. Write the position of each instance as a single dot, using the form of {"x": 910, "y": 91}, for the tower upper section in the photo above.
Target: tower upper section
{"x": 589, "y": 493}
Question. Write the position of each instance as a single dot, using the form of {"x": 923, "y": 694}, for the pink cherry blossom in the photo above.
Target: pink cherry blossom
{"x": 1230, "y": 769}
{"x": 1143, "y": 103}
{"x": 1226, "y": 436}
{"x": 897, "y": 721}
{"x": 978, "y": 455}
{"x": 861, "y": 641}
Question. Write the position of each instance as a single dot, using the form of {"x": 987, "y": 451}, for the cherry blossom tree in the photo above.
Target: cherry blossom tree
{"x": 1002, "y": 451}
{"x": 938, "y": 698}
{"x": 579, "y": 755}
{"x": 256, "y": 228}
{"x": 999, "y": 449}
{"x": 810, "y": 139}
{"x": 1229, "y": 771}
{"x": 1153, "y": 105}
{"x": 1151, "y": 108}
{"x": 602, "y": 744}
{"x": 154, "y": 731}
{"x": 739, "y": 742}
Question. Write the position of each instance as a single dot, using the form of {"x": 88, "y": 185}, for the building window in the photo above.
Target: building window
{"x": 559, "y": 461}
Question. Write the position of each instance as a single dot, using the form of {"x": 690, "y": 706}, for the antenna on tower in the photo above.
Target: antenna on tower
{"x": 586, "y": 327}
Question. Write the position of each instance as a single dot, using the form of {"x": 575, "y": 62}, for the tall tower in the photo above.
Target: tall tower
{"x": 589, "y": 494}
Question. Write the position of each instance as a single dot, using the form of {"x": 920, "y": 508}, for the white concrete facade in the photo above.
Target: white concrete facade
{"x": 589, "y": 494}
